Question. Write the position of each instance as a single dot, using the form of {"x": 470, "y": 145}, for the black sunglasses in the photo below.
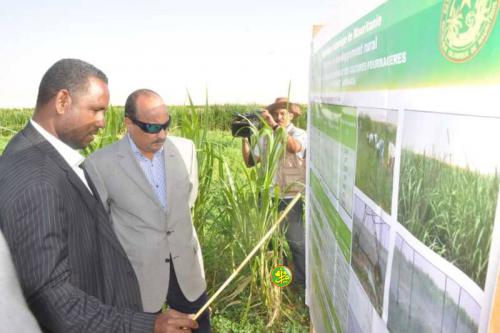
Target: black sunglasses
{"x": 151, "y": 128}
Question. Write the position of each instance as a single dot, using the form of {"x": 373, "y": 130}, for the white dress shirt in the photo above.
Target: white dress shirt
{"x": 154, "y": 170}
{"x": 70, "y": 155}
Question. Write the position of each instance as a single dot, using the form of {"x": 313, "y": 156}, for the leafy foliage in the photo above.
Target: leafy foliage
{"x": 450, "y": 209}
{"x": 234, "y": 209}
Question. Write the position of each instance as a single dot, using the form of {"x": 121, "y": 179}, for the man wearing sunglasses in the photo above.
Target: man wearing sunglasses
{"x": 148, "y": 182}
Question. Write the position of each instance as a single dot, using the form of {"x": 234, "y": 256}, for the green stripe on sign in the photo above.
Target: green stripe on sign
{"x": 340, "y": 230}
{"x": 408, "y": 52}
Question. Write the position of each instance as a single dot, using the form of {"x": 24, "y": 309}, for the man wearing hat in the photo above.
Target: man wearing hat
{"x": 293, "y": 109}
{"x": 290, "y": 176}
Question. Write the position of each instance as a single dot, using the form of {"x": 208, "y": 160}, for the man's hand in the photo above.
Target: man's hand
{"x": 172, "y": 321}
{"x": 268, "y": 118}
{"x": 247, "y": 155}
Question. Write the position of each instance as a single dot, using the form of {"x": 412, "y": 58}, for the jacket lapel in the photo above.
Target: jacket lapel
{"x": 38, "y": 140}
{"x": 132, "y": 168}
{"x": 92, "y": 203}
{"x": 173, "y": 160}
{"x": 96, "y": 207}
{"x": 89, "y": 200}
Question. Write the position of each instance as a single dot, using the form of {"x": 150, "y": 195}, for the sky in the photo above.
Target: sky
{"x": 465, "y": 141}
{"x": 232, "y": 51}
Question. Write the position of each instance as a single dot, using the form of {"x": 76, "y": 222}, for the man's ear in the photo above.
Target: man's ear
{"x": 128, "y": 123}
{"x": 62, "y": 101}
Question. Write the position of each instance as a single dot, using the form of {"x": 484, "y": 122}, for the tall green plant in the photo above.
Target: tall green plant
{"x": 227, "y": 189}
{"x": 13, "y": 120}
{"x": 194, "y": 125}
{"x": 234, "y": 209}
{"x": 450, "y": 209}
{"x": 252, "y": 208}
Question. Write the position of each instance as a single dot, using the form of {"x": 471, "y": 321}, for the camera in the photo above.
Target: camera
{"x": 242, "y": 123}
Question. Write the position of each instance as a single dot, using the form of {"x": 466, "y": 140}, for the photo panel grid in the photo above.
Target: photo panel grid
{"x": 360, "y": 308}
{"x": 423, "y": 298}
{"x": 370, "y": 247}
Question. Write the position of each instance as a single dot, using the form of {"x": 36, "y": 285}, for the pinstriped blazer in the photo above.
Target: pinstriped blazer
{"x": 73, "y": 271}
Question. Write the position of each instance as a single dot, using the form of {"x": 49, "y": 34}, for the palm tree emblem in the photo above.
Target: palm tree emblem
{"x": 465, "y": 27}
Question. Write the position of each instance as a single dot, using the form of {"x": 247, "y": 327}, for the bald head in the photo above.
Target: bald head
{"x": 131, "y": 105}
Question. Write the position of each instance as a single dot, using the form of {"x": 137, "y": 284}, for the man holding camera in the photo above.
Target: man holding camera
{"x": 290, "y": 176}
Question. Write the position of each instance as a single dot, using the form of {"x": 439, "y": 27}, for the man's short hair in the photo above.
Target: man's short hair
{"x": 69, "y": 74}
{"x": 131, "y": 103}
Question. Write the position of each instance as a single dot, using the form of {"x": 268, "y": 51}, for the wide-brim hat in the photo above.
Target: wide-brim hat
{"x": 283, "y": 103}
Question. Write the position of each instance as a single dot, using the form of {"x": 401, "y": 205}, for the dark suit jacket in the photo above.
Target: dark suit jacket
{"x": 73, "y": 271}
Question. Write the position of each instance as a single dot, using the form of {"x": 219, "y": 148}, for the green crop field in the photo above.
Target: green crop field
{"x": 3, "y": 143}
{"x": 450, "y": 209}
{"x": 374, "y": 173}
{"x": 233, "y": 211}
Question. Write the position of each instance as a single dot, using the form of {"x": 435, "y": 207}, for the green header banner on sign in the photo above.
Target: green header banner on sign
{"x": 414, "y": 44}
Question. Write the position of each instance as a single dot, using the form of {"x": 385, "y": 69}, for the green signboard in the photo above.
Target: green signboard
{"x": 403, "y": 171}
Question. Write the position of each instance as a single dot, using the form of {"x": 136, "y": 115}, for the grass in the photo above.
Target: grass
{"x": 233, "y": 210}
{"x": 3, "y": 142}
{"x": 13, "y": 120}
{"x": 373, "y": 175}
{"x": 450, "y": 209}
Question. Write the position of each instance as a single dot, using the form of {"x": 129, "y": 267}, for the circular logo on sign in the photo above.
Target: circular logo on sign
{"x": 281, "y": 276}
{"x": 465, "y": 27}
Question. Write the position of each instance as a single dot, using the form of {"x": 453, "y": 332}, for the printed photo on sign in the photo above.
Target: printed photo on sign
{"x": 370, "y": 244}
{"x": 422, "y": 298}
{"x": 449, "y": 185}
{"x": 362, "y": 316}
{"x": 360, "y": 309}
{"x": 376, "y": 152}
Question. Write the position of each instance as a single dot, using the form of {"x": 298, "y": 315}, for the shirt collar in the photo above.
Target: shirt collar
{"x": 136, "y": 150}
{"x": 70, "y": 155}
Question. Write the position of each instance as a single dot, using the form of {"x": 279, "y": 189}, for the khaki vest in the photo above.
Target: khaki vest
{"x": 291, "y": 174}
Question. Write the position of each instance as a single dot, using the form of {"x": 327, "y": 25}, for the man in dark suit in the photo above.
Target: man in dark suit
{"x": 74, "y": 273}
